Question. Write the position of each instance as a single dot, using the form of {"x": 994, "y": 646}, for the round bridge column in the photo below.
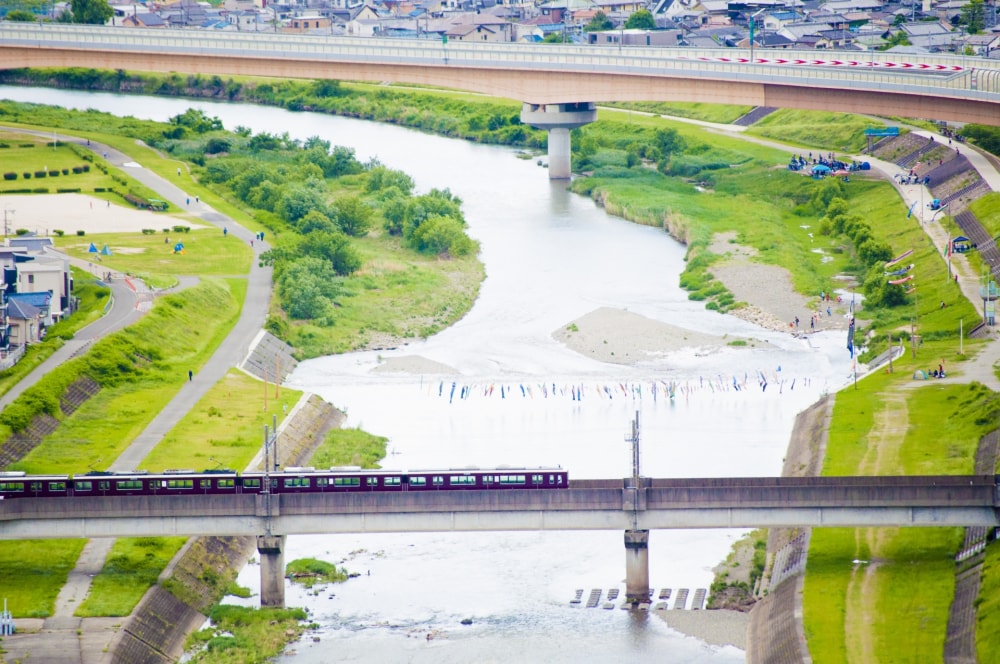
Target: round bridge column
{"x": 557, "y": 120}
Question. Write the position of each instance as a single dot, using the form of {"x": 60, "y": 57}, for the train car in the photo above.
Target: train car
{"x": 17, "y": 484}
{"x": 293, "y": 479}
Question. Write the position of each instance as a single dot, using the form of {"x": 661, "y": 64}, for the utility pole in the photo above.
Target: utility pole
{"x": 6, "y": 221}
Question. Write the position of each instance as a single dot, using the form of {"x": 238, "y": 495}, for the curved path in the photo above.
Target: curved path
{"x": 64, "y": 637}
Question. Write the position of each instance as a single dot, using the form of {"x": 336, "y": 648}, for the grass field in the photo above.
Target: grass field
{"x": 207, "y": 252}
{"x": 132, "y": 566}
{"x": 33, "y": 571}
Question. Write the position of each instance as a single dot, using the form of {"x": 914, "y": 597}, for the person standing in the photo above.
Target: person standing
{"x": 190, "y": 375}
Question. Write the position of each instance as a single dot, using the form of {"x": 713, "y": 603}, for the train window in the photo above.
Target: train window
{"x": 552, "y": 479}
{"x": 559, "y": 479}
{"x": 251, "y": 483}
{"x": 512, "y": 479}
{"x": 36, "y": 486}
{"x": 129, "y": 485}
{"x": 297, "y": 482}
{"x": 437, "y": 480}
{"x": 322, "y": 481}
{"x": 104, "y": 485}
{"x": 205, "y": 484}
{"x": 347, "y": 481}
{"x": 225, "y": 484}
{"x": 179, "y": 484}
{"x": 83, "y": 486}
{"x": 459, "y": 480}
{"x": 57, "y": 486}
{"x": 372, "y": 481}
{"x": 392, "y": 481}
{"x": 418, "y": 481}
{"x": 537, "y": 479}
{"x": 11, "y": 487}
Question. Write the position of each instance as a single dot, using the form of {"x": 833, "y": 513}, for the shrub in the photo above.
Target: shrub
{"x": 78, "y": 169}
{"x": 180, "y": 229}
{"x": 68, "y": 190}
{"x": 26, "y": 145}
{"x": 81, "y": 233}
{"x": 86, "y": 168}
{"x": 41, "y": 174}
{"x": 21, "y": 231}
{"x": 40, "y": 190}
{"x": 53, "y": 174}
{"x": 148, "y": 231}
{"x": 27, "y": 176}
{"x": 59, "y": 233}
{"x": 99, "y": 190}
{"x": 10, "y": 176}
{"x": 65, "y": 171}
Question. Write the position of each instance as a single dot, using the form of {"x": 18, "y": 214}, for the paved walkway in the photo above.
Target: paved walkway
{"x": 64, "y": 637}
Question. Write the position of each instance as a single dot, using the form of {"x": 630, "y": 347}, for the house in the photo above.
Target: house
{"x": 43, "y": 275}
{"x": 24, "y": 322}
{"x": 479, "y": 33}
{"x": 308, "y": 23}
{"x": 144, "y": 20}
{"x": 41, "y": 303}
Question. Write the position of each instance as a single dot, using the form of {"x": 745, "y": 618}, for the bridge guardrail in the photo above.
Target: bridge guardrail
{"x": 966, "y": 76}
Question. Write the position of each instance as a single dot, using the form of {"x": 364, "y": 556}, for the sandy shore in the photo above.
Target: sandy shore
{"x": 717, "y": 628}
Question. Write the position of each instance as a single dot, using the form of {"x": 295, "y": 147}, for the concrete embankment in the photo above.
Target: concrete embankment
{"x": 775, "y": 634}
{"x": 196, "y": 579}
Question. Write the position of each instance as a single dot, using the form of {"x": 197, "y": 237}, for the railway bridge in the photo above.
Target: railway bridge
{"x": 559, "y": 85}
{"x": 628, "y": 505}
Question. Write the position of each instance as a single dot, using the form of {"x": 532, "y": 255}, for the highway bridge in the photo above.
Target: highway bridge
{"x": 559, "y": 84}
{"x": 634, "y": 507}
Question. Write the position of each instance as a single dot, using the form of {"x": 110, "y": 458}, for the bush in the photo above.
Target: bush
{"x": 99, "y": 190}
{"x": 41, "y": 174}
{"x": 86, "y": 168}
{"x": 65, "y": 171}
{"x": 10, "y": 176}
{"x": 53, "y": 174}
{"x": 21, "y": 231}
{"x": 180, "y": 229}
{"x": 77, "y": 170}
{"x": 40, "y": 190}
{"x": 68, "y": 190}
{"x": 27, "y": 176}
{"x": 81, "y": 233}
{"x": 59, "y": 233}
{"x": 148, "y": 231}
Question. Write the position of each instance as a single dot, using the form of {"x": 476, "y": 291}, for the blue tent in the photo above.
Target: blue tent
{"x": 105, "y": 251}
{"x": 92, "y": 249}
{"x": 820, "y": 168}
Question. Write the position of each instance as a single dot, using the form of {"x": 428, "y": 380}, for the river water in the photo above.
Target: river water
{"x": 550, "y": 257}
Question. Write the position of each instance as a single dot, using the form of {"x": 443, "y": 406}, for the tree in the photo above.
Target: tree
{"x": 94, "y": 12}
{"x": 896, "y": 39}
{"x": 555, "y": 38}
{"x": 598, "y": 23}
{"x": 973, "y": 16}
{"x": 641, "y": 20}
{"x": 21, "y": 16}
{"x": 353, "y": 216}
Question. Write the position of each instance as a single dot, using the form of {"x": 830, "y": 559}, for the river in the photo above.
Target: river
{"x": 550, "y": 258}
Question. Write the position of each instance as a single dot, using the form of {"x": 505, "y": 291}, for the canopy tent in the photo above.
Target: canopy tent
{"x": 820, "y": 168}
{"x": 92, "y": 249}
{"x": 105, "y": 251}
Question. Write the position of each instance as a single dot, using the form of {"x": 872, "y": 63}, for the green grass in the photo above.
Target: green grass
{"x": 106, "y": 424}
{"x": 311, "y": 571}
{"x": 425, "y": 293}
{"x": 987, "y": 210}
{"x": 240, "y": 635}
{"x": 349, "y": 447}
{"x": 132, "y": 566}
{"x": 988, "y": 607}
{"x": 33, "y": 571}
{"x": 718, "y": 113}
{"x": 821, "y": 130}
{"x": 18, "y": 159}
{"x": 206, "y": 252}
{"x": 225, "y": 428}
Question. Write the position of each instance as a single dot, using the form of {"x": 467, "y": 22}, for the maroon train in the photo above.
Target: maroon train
{"x": 16, "y": 484}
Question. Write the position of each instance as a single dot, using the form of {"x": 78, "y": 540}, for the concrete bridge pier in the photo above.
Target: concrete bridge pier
{"x": 637, "y": 566}
{"x": 272, "y": 570}
{"x": 557, "y": 120}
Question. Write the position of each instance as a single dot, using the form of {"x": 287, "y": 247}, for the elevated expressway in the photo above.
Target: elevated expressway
{"x": 559, "y": 84}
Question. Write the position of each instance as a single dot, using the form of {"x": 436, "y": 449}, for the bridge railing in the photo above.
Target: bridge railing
{"x": 966, "y": 76}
